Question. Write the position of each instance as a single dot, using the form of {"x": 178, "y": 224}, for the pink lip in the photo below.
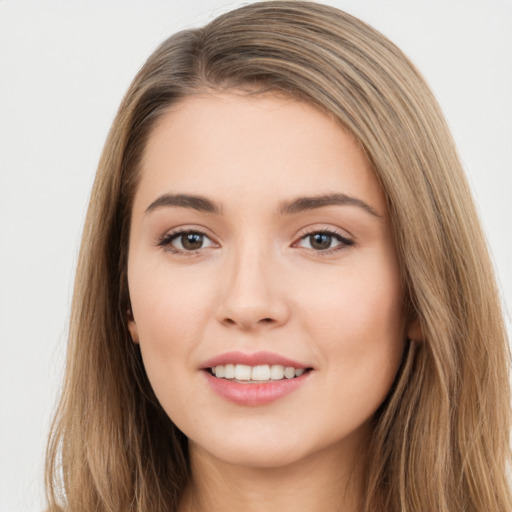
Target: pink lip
{"x": 251, "y": 394}
{"x": 254, "y": 394}
{"x": 257, "y": 358}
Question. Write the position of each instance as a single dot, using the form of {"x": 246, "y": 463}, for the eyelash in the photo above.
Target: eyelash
{"x": 344, "y": 241}
{"x": 166, "y": 240}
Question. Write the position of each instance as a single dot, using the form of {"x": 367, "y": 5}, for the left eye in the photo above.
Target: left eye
{"x": 323, "y": 241}
{"x": 187, "y": 241}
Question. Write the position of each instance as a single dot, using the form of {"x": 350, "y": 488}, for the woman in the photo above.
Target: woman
{"x": 283, "y": 299}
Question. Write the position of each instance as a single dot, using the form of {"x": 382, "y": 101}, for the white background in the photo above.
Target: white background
{"x": 63, "y": 70}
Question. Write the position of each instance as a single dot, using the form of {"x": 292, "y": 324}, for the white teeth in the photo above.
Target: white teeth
{"x": 229, "y": 371}
{"x": 276, "y": 372}
{"x": 258, "y": 373}
{"x": 289, "y": 372}
{"x": 242, "y": 372}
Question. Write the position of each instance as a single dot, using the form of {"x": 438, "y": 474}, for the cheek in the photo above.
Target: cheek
{"x": 360, "y": 333}
{"x": 362, "y": 303}
{"x": 168, "y": 303}
{"x": 170, "y": 309}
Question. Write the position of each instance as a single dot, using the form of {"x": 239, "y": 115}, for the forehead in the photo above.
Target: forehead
{"x": 234, "y": 146}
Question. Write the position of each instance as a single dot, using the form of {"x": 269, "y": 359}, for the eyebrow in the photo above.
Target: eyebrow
{"x": 199, "y": 203}
{"x": 302, "y": 204}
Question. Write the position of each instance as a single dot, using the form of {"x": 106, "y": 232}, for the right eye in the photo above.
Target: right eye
{"x": 186, "y": 241}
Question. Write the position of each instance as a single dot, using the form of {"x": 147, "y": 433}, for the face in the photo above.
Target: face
{"x": 263, "y": 279}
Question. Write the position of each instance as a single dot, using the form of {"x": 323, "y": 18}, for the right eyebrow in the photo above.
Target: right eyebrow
{"x": 199, "y": 203}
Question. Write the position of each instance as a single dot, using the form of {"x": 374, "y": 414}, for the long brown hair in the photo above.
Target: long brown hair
{"x": 441, "y": 439}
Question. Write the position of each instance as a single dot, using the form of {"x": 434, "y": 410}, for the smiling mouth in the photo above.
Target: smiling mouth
{"x": 256, "y": 374}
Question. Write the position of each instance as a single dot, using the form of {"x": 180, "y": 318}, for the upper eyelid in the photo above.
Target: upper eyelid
{"x": 309, "y": 230}
{"x": 170, "y": 235}
{"x": 345, "y": 240}
{"x": 187, "y": 229}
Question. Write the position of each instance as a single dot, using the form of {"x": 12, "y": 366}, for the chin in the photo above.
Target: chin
{"x": 264, "y": 448}
{"x": 255, "y": 455}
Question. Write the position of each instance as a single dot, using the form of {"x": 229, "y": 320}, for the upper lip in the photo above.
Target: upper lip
{"x": 254, "y": 359}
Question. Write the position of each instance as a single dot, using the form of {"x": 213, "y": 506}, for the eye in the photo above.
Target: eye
{"x": 324, "y": 241}
{"x": 186, "y": 241}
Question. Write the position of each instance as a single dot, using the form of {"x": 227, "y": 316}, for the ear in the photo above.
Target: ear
{"x": 132, "y": 327}
{"x": 414, "y": 330}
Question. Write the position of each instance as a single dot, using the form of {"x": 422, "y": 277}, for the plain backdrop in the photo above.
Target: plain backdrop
{"x": 64, "y": 68}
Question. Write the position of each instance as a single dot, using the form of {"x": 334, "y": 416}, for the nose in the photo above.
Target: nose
{"x": 253, "y": 296}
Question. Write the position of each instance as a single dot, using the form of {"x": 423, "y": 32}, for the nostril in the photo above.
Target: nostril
{"x": 266, "y": 321}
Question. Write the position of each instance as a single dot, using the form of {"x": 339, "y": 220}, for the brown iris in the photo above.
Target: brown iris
{"x": 320, "y": 241}
{"x": 192, "y": 241}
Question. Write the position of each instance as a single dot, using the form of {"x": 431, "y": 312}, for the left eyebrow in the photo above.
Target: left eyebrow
{"x": 310, "y": 203}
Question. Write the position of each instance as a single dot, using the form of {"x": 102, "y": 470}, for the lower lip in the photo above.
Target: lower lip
{"x": 255, "y": 394}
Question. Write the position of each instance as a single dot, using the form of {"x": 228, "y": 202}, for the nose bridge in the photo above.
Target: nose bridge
{"x": 252, "y": 295}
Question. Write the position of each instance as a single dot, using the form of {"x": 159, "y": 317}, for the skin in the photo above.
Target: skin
{"x": 258, "y": 283}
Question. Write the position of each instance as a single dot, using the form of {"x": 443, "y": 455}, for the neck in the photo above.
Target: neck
{"x": 324, "y": 481}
